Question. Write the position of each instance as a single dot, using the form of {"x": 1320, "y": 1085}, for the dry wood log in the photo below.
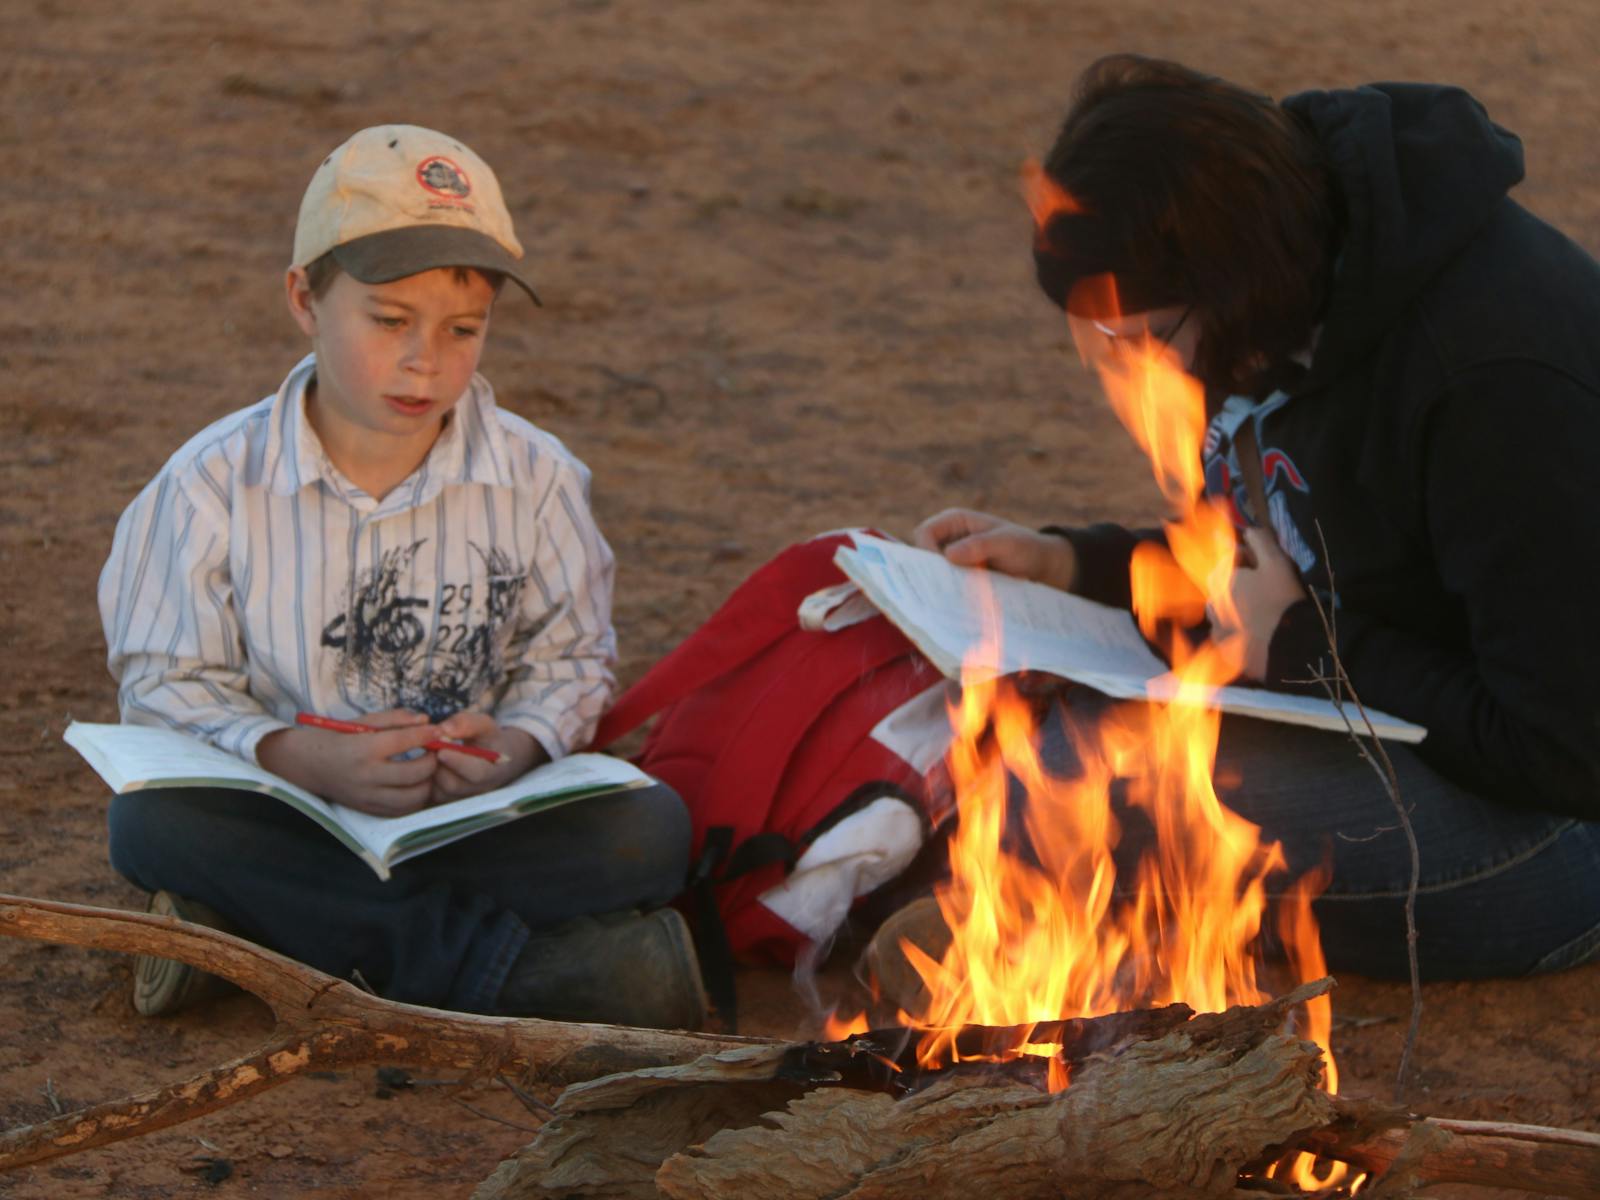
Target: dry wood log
{"x": 1174, "y": 1114}
{"x": 1180, "y": 1116}
{"x": 969, "y": 1130}
{"x": 610, "y": 1137}
{"x": 323, "y": 1024}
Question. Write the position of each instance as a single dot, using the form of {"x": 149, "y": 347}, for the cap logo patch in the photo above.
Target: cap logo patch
{"x": 438, "y": 175}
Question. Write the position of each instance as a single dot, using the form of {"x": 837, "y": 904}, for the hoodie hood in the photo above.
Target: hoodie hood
{"x": 1421, "y": 168}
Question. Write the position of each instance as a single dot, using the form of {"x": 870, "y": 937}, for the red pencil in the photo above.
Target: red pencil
{"x": 337, "y": 726}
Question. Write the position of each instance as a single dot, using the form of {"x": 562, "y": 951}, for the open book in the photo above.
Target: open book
{"x": 131, "y": 757}
{"x": 946, "y": 611}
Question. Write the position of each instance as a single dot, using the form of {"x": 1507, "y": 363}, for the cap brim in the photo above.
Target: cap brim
{"x": 396, "y": 253}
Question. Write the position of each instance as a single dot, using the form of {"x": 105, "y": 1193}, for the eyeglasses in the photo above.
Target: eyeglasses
{"x": 1133, "y": 340}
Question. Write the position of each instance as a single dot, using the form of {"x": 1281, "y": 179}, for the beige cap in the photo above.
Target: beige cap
{"x": 395, "y": 200}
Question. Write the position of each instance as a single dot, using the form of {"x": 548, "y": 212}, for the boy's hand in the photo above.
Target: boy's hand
{"x": 1263, "y": 586}
{"x": 975, "y": 539}
{"x": 359, "y": 769}
{"x": 466, "y": 774}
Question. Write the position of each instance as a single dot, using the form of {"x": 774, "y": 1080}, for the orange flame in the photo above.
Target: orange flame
{"x": 1046, "y": 198}
{"x": 1062, "y": 935}
{"x": 836, "y": 1028}
{"x": 1302, "y": 942}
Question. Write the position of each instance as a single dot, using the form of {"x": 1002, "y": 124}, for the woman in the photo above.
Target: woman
{"x": 1410, "y": 363}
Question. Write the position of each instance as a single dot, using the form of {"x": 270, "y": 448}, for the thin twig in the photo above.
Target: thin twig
{"x": 478, "y": 1112}
{"x": 49, "y": 1093}
{"x": 1341, "y": 685}
{"x": 529, "y": 1101}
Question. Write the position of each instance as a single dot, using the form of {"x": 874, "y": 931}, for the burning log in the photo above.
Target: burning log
{"x": 1175, "y": 1107}
{"x": 1196, "y": 1108}
{"x": 323, "y": 1024}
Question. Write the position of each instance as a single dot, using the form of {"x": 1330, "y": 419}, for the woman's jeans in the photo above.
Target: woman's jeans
{"x": 1502, "y": 891}
{"x": 444, "y": 929}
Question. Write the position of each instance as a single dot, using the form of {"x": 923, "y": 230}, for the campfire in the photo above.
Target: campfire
{"x": 1075, "y": 934}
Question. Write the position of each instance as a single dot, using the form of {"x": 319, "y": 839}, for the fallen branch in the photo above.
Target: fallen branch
{"x": 323, "y": 1024}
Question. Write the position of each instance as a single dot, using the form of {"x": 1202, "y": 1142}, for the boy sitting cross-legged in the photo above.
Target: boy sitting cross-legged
{"x": 378, "y": 541}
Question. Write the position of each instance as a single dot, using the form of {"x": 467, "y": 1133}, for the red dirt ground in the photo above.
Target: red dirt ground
{"x": 784, "y": 262}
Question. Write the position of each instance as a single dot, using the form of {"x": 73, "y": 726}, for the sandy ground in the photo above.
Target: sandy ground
{"x": 784, "y": 263}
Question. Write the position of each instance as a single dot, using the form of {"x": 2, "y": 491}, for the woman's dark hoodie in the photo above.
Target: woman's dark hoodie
{"x": 1443, "y": 443}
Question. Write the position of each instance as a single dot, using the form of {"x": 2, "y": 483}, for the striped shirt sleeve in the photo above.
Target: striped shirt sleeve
{"x": 560, "y": 678}
{"x": 173, "y": 635}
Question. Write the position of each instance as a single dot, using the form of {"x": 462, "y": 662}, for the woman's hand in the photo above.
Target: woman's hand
{"x": 462, "y": 775}
{"x": 359, "y": 770}
{"x": 975, "y": 539}
{"x": 1259, "y": 592}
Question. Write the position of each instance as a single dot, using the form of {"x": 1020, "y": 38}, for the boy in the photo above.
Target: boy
{"x": 378, "y": 541}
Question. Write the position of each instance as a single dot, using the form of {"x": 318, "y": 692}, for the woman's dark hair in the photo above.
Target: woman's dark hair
{"x": 1190, "y": 191}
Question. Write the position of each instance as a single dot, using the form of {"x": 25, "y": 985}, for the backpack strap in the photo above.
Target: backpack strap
{"x": 1249, "y": 455}
{"x": 711, "y": 933}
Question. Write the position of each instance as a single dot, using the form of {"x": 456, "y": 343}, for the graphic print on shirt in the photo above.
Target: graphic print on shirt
{"x": 398, "y": 651}
{"x": 1282, "y": 481}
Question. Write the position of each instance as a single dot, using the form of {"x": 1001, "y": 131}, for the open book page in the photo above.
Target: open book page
{"x": 560, "y": 782}
{"x": 955, "y": 615}
{"x": 950, "y": 611}
{"x": 132, "y": 757}
{"x": 952, "y": 614}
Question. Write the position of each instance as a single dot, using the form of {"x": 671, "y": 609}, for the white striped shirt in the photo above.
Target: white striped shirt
{"x": 250, "y": 580}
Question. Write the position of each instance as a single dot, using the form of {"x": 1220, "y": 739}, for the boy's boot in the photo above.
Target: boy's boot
{"x": 619, "y": 969}
{"x": 164, "y": 985}
{"x": 884, "y": 965}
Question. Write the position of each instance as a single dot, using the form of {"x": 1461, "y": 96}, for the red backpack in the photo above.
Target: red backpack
{"x": 765, "y": 728}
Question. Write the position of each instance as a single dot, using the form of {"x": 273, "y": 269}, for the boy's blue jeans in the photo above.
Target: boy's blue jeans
{"x": 1503, "y": 891}
{"x": 445, "y": 928}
